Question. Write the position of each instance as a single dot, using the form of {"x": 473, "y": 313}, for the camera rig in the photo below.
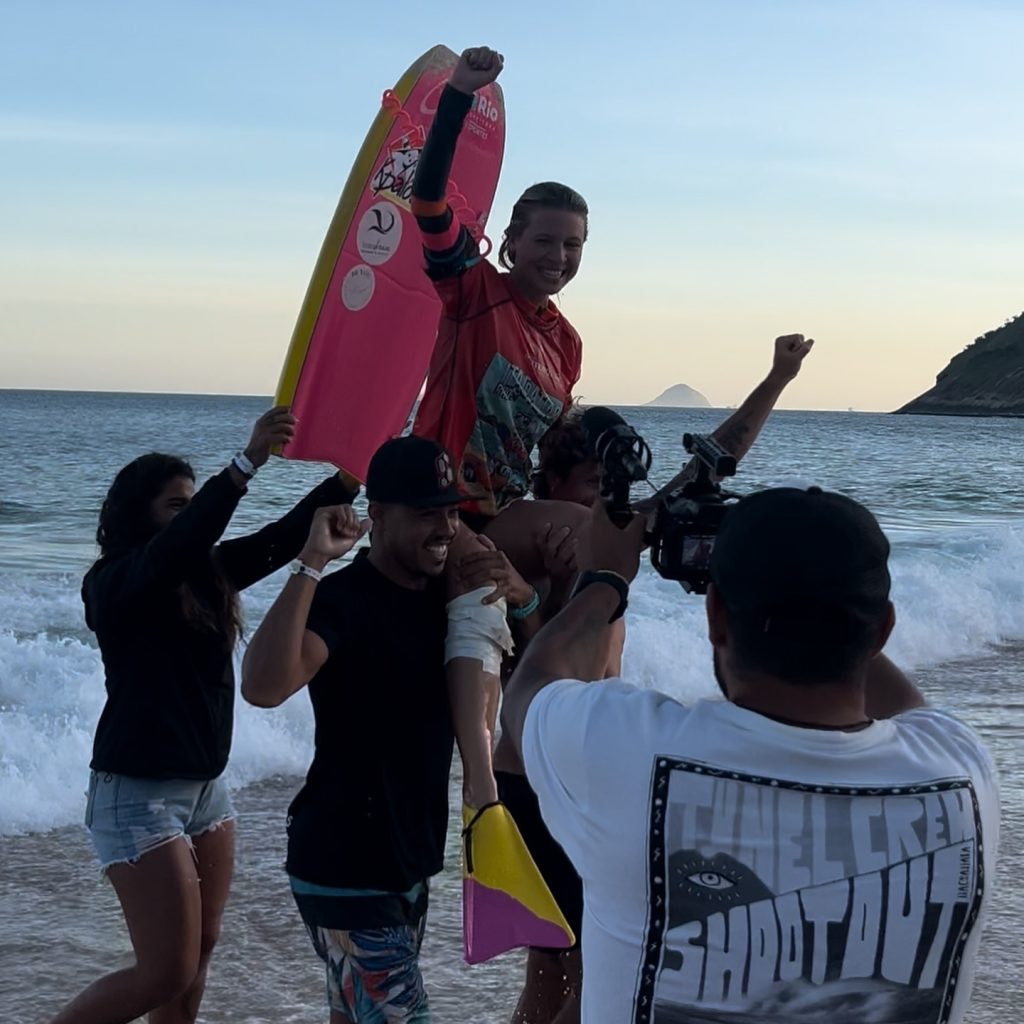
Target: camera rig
{"x": 687, "y": 518}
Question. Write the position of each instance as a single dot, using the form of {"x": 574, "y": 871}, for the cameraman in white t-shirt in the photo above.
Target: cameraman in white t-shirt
{"x": 816, "y": 847}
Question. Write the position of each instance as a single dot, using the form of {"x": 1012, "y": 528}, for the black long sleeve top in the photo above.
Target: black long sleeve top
{"x": 170, "y": 682}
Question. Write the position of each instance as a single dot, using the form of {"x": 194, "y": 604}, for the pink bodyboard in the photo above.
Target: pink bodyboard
{"x": 362, "y": 344}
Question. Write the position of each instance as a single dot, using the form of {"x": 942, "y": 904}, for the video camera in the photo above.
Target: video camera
{"x": 687, "y": 519}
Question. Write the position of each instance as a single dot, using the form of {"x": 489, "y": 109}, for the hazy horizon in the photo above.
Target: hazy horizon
{"x": 269, "y": 397}
{"x": 854, "y": 173}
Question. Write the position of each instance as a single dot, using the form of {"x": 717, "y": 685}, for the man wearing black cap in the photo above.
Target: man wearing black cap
{"x": 817, "y": 847}
{"x": 367, "y": 830}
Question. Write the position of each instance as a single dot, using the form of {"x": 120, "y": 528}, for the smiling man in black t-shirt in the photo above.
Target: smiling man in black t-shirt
{"x": 368, "y": 828}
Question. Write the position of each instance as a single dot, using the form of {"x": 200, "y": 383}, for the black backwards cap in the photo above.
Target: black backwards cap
{"x": 788, "y": 552}
{"x": 412, "y": 471}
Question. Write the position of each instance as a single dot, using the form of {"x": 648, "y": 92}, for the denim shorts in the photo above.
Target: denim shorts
{"x": 127, "y": 817}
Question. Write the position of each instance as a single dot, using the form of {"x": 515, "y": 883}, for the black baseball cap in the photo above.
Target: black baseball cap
{"x": 412, "y": 471}
{"x": 787, "y": 549}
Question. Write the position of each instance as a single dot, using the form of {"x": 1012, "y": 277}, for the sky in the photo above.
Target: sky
{"x": 850, "y": 170}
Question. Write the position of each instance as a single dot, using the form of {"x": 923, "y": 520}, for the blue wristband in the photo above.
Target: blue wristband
{"x": 526, "y": 610}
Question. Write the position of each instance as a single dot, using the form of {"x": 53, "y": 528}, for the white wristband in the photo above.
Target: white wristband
{"x": 301, "y": 569}
{"x": 244, "y": 465}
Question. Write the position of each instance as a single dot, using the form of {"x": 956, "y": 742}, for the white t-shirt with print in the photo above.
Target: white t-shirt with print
{"x": 736, "y": 869}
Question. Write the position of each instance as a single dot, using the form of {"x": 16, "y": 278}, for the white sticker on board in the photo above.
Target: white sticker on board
{"x": 357, "y": 287}
{"x": 379, "y": 233}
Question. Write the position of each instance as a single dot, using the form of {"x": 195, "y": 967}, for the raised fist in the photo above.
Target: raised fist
{"x": 477, "y": 67}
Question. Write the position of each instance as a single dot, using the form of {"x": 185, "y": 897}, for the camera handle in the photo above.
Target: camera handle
{"x": 616, "y": 498}
{"x": 626, "y": 460}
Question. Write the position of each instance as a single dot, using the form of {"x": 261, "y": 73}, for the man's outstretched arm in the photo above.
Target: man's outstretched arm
{"x": 575, "y": 643}
{"x": 739, "y": 432}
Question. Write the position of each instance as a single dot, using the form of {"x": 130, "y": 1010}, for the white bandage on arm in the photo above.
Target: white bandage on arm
{"x": 478, "y": 630}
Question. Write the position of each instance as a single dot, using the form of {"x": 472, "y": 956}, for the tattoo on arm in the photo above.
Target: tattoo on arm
{"x": 734, "y": 438}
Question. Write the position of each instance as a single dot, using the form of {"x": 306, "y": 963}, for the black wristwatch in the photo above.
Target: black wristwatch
{"x": 613, "y": 579}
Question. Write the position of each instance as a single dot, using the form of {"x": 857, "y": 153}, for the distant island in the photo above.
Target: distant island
{"x": 985, "y": 379}
{"x": 680, "y": 396}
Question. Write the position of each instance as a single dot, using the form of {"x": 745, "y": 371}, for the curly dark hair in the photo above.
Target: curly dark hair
{"x": 546, "y": 195}
{"x": 126, "y": 523}
{"x": 561, "y": 449}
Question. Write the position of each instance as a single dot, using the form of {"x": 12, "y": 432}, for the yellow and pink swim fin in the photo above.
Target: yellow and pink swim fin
{"x": 505, "y": 901}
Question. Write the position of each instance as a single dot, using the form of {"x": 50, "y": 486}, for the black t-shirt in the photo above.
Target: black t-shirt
{"x": 374, "y": 810}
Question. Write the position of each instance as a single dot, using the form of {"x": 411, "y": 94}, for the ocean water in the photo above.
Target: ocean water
{"x": 949, "y": 492}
